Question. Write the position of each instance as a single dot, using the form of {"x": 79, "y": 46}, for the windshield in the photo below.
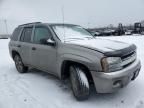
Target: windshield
{"x": 70, "y": 32}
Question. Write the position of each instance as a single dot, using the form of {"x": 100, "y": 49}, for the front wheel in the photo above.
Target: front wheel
{"x": 19, "y": 64}
{"x": 79, "y": 83}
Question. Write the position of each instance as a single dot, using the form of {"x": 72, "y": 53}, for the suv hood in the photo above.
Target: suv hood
{"x": 108, "y": 47}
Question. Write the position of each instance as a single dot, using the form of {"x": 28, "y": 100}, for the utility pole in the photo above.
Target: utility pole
{"x": 63, "y": 19}
{"x": 5, "y": 21}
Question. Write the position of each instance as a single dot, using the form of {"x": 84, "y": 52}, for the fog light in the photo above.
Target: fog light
{"x": 117, "y": 84}
{"x": 135, "y": 74}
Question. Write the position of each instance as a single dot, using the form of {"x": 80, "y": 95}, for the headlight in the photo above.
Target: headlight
{"x": 110, "y": 64}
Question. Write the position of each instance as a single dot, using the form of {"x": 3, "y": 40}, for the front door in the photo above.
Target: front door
{"x": 43, "y": 56}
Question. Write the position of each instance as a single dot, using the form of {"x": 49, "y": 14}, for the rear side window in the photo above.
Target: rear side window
{"x": 26, "y": 34}
{"x": 16, "y": 34}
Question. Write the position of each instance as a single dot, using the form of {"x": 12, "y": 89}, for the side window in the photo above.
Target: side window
{"x": 41, "y": 33}
{"x": 26, "y": 34}
{"x": 16, "y": 34}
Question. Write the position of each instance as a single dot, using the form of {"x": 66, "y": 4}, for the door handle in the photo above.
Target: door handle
{"x": 33, "y": 48}
{"x": 18, "y": 46}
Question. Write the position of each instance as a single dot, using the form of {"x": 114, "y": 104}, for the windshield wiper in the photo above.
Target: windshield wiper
{"x": 89, "y": 37}
{"x": 76, "y": 38}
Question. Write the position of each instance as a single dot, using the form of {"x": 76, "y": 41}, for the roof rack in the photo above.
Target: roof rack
{"x": 30, "y": 23}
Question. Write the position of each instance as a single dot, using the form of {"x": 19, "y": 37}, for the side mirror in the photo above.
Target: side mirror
{"x": 51, "y": 42}
{"x": 47, "y": 42}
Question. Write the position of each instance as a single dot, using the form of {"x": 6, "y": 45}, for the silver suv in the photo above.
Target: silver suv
{"x": 69, "y": 51}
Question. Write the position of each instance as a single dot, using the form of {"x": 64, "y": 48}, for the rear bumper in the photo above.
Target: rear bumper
{"x": 110, "y": 82}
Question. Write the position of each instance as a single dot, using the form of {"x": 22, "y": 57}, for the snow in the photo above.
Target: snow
{"x": 96, "y": 43}
{"x": 84, "y": 78}
{"x": 70, "y": 32}
{"x": 40, "y": 90}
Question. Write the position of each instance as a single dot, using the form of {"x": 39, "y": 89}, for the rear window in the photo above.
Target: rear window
{"x": 16, "y": 34}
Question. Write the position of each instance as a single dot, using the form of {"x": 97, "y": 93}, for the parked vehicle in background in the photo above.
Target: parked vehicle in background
{"x": 138, "y": 28}
{"x": 105, "y": 32}
{"x": 108, "y": 32}
{"x": 128, "y": 32}
{"x": 95, "y": 33}
{"x": 120, "y": 30}
{"x": 142, "y": 33}
{"x": 69, "y": 51}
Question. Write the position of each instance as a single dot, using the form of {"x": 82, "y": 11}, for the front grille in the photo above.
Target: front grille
{"x": 128, "y": 59}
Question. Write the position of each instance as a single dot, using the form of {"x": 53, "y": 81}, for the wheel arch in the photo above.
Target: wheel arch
{"x": 65, "y": 69}
{"x": 14, "y": 52}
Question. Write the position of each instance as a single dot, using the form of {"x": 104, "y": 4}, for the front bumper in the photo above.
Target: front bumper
{"x": 110, "y": 82}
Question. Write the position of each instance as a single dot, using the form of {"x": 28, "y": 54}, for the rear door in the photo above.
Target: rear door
{"x": 13, "y": 44}
{"x": 43, "y": 56}
{"x": 25, "y": 44}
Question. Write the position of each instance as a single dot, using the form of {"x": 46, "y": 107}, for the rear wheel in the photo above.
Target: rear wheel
{"x": 19, "y": 64}
{"x": 79, "y": 83}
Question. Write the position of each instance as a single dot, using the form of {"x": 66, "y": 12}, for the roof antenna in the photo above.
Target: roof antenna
{"x": 63, "y": 18}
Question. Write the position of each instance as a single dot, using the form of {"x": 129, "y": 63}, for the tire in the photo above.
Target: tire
{"x": 19, "y": 64}
{"x": 79, "y": 83}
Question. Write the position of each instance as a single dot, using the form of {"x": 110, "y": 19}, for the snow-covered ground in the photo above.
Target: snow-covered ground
{"x": 41, "y": 90}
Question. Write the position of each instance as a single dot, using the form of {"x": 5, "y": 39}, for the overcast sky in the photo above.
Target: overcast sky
{"x": 88, "y": 13}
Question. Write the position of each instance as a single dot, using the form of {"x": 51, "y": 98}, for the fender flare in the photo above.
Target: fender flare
{"x": 73, "y": 58}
